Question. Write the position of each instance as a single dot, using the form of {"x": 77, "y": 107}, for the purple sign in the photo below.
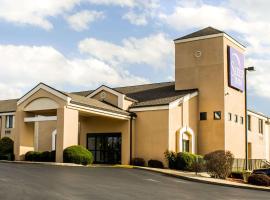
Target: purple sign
{"x": 236, "y": 69}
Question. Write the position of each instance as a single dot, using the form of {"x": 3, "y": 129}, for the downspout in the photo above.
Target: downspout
{"x": 132, "y": 116}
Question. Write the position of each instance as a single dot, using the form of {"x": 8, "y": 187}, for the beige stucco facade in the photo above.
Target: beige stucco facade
{"x": 47, "y": 119}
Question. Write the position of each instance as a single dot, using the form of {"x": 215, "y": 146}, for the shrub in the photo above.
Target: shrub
{"x": 77, "y": 154}
{"x": 6, "y": 149}
{"x": 259, "y": 179}
{"x": 155, "y": 164}
{"x": 138, "y": 162}
{"x": 185, "y": 160}
{"x": 45, "y": 156}
{"x": 171, "y": 156}
{"x": 219, "y": 163}
{"x": 198, "y": 164}
{"x": 236, "y": 175}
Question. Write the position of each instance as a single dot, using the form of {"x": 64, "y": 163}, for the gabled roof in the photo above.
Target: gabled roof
{"x": 203, "y": 32}
{"x": 8, "y": 105}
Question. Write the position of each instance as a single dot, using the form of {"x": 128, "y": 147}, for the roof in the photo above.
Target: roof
{"x": 93, "y": 103}
{"x": 258, "y": 113}
{"x": 8, "y": 105}
{"x": 203, "y": 32}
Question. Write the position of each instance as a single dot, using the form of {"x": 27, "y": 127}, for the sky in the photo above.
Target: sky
{"x": 76, "y": 45}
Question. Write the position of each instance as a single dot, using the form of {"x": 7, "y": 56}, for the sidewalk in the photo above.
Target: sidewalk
{"x": 43, "y": 163}
{"x": 203, "y": 178}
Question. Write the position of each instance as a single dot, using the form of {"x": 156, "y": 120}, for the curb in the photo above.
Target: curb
{"x": 43, "y": 163}
{"x": 250, "y": 187}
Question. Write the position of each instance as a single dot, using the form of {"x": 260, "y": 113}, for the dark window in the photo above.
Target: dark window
{"x": 230, "y": 116}
{"x": 260, "y": 126}
{"x": 203, "y": 116}
{"x": 217, "y": 115}
{"x": 249, "y": 122}
{"x": 9, "y": 121}
{"x": 185, "y": 145}
{"x": 236, "y": 118}
{"x": 242, "y": 120}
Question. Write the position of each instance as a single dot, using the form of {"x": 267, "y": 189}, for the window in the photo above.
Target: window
{"x": 217, "y": 115}
{"x": 9, "y": 121}
{"x": 236, "y": 118}
{"x": 230, "y": 116}
{"x": 249, "y": 122}
{"x": 185, "y": 145}
{"x": 260, "y": 126}
{"x": 242, "y": 120}
{"x": 203, "y": 116}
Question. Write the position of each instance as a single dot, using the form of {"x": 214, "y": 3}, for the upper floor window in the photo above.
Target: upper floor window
{"x": 236, "y": 118}
{"x": 203, "y": 116}
{"x": 249, "y": 122}
{"x": 260, "y": 126}
{"x": 217, "y": 115}
{"x": 9, "y": 121}
{"x": 230, "y": 116}
{"x": 242, "y": 120}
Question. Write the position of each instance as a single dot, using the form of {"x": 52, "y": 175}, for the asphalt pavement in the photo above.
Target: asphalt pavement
{"x": 40, "y": 182}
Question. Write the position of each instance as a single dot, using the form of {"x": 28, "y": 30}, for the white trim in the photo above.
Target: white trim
{"x": 40, "y": 118}
{"x": 120, "y": 96}
{"x": 36, "y": 133}
{"x": 211, "y": 36}
{"x": 97, "y": 111}
{"x": 8, "y": 113}
{"x": 46, "y": 88}
{"x": 165, "y": 107}
{"x": 54, "y": 133}
{"x": 190, "y": 132}
{"x": 258, "y": 115}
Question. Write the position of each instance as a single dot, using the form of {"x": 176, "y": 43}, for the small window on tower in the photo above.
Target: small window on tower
{"x": 236, "y": 118}
{"x": 230, "y": 116}
{"x": 217, "y": 115}
{"x": 203, "y": 116}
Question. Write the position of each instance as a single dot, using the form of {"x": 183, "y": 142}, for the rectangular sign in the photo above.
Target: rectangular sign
{"x": 236, "y": 69}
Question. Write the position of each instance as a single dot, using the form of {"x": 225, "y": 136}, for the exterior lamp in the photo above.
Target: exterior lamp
{"x": 250, "y": 69}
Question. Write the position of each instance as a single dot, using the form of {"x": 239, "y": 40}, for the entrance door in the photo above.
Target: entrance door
{"x": 106, "y": 148}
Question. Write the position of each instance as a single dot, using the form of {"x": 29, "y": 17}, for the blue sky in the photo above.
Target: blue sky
{"x": 80, "y": 44}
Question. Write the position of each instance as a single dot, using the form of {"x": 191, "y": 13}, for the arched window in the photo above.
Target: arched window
{"x": 185, "y": 142}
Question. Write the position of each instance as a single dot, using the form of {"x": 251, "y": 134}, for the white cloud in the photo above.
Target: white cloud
{"x": 80, "y": 21}
{"x": 24, "y": 66}
{"x": 34, "y": 12}
{"x": 154, "y": 50}
{"x": 134, "y": 18}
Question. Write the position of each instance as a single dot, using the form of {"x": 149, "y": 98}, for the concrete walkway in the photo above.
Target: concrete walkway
{"x": 203, "y": 178}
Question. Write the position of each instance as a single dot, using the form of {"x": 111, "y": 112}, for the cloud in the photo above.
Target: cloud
{"x": 34, "y": 12}
{"x": 154, "y": 50}
{"x": 136, "y": 19}
{"x": 81, "y": 20}
{"x": 24, "y": 66}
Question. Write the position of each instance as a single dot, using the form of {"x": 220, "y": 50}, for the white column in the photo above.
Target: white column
{"x": 36, "y": 136}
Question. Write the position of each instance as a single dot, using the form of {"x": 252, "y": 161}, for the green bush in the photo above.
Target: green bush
{"x": 77, "y": 154}
{"x": 155, "y": 164}
{"x": 138, "y": 162}
{"x": 35, "y": 156}
{"x": 6, "y": 149}
{"x": 171, "y": 156}
{"x": 184, "y": 161}
{"x": 198, "y": 164}
{"x": 259, "y": 179}
{"x": 219, "y": 163}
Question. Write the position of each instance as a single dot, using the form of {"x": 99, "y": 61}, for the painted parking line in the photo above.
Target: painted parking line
{"x": 152, "y": 180}
{"x": 181, "y": 181}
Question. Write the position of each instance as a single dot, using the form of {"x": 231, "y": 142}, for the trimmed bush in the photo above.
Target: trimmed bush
{"x": 185, "y": 160}
{"x": 6, "y": 149}
{"x": 259, "y": 179}
{"x": 155, "y": 164}
{"x": 171, "y": 156}
{"x": 138, "y": 162}
{"x": 219, "y": 163}
{"x": 77, "y": 154}
{"x": 236, "y": 175}
{"x": 198, "y": 164}
{"x": 35, "y": 156}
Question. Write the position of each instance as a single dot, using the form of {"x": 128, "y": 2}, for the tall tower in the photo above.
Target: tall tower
{"x": 213, "y": 62}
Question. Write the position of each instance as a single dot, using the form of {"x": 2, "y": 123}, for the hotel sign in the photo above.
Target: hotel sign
{"x": 236, "y": 69}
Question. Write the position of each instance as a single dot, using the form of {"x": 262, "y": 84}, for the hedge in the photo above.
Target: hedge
{"x": 259, "y": 179}
{"x": 6, "y": 149}
{"x": 77, "y": 154}
{"x": 155, "y": 164}
{"x": 138, "y": 162}
{"x": 36, "y": 156}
